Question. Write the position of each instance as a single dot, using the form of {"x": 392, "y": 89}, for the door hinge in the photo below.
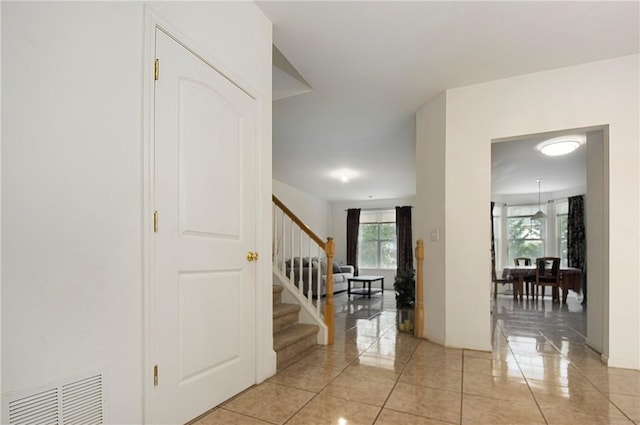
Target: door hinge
{"x": 155, "y": 221}
{"x": 156, "y": 69}
{"x": 155, "y": 376}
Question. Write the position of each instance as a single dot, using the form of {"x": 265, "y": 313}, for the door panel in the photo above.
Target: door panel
{"x": 203, "y": 162}
{"x": 205, "y": 319}
{"x": 203, "y": 301}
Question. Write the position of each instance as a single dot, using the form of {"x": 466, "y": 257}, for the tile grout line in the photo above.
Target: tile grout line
{"x": 319, "y": 392}
{"x": 333, "y": 379}
{"x": 572, "y": 364}
{"x": 247, "y": 416}
{"x": 543, "y": 332}
{"x": 544, "y": 418}
{"x": 396, "y": 383}
{"x": 514, "y": 337}
{"x": 462, "y": 385}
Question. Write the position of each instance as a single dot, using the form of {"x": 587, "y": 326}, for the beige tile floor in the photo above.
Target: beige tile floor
{"x": 539, "y": 372}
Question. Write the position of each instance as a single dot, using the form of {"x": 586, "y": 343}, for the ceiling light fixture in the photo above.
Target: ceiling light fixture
{"x": 343, "y": 174}
{"x": 561, "y": 145}
{"x": 539, "y": 215}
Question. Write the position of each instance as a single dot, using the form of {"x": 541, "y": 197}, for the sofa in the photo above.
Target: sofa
{"x": 340, "y": 274}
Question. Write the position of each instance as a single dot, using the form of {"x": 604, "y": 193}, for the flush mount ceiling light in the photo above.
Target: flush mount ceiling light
{"x": 343, "y": 174}
{"x": 561, "y": 145}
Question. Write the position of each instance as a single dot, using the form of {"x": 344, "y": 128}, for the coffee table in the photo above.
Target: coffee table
{"x": 366, "y": 285}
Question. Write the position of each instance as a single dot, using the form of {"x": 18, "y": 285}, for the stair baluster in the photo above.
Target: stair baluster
{"x": 289, "y": 267}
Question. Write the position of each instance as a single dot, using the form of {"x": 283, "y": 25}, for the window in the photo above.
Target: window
{"x": 526, "y": 237}
{"x": 497, "y": 232}
{"x": 562, "y": 231}
{"x": 377, "y": 240}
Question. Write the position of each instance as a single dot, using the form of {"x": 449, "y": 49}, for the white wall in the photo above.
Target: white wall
{"x": 72, "y": 181}
{"x": 600, "y": 93}
{"x": 313, "y": 211}
{"x": 71, "y": 197}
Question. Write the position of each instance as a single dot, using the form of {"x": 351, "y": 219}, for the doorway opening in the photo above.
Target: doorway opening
{"x": 517, "y": 165}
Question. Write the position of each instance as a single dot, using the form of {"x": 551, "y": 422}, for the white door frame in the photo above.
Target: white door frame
{"x": 265, "y": 356}
{"x": 598, "y": 312}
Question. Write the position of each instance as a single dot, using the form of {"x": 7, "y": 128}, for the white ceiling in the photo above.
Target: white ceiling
{"x": 371, "y": 65}
{"x": 517, "y": 165}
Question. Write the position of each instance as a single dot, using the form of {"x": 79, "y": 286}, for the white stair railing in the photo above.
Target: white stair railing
{"x": 302, "y": 261}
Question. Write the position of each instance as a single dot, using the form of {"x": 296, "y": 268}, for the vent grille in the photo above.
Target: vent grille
{"x": 82, "y": 402}
{"x": 77, "y": 402}
{"x": 41, "y": 408}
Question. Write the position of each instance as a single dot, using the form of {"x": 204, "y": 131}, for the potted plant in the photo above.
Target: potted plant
{"x": 405, "y": 287}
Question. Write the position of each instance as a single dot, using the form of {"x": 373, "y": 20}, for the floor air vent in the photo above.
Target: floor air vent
{"x": 80, "y": 401}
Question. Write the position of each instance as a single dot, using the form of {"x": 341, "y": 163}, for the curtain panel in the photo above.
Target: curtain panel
{"x": 353, "y": 225}
{"x": 576, "y": 239}
{"x": 404, "y": 239}
{"x": 493, "y": 239}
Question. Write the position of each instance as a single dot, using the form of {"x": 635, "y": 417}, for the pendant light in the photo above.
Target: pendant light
{"x": 539, "y": 215}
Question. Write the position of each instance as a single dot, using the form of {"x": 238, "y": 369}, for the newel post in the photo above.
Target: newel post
{"x": 330, "y": 249}
{"x": 419, "y": 313}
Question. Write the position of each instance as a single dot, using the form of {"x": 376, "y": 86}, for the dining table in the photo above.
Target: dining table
{"x": 570, "y": 279}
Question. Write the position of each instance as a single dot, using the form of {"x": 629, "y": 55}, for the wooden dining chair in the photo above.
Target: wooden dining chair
{"x": 548, "y": 274}
{"x": 529, "y": 282}
{"x": 496, "y": 280}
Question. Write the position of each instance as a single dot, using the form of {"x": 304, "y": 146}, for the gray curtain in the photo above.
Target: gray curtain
{"x": 576, "y": 239}
{"x": 404, "y": 239}
{"x": 353, "y": 225}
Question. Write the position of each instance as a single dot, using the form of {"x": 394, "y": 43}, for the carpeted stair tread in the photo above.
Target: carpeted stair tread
{"x": 281, "y": 309}
{"x": 290, "y": 338}
{"x": 293, "y": 334}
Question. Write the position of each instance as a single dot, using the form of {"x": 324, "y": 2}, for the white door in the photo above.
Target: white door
{"x": 203, "y": 287}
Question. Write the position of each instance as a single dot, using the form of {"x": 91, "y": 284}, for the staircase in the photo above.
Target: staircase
{"x": 289, "y": 337}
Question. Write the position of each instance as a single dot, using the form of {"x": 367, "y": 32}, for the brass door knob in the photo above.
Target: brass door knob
{"x": 252, "y": 256}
